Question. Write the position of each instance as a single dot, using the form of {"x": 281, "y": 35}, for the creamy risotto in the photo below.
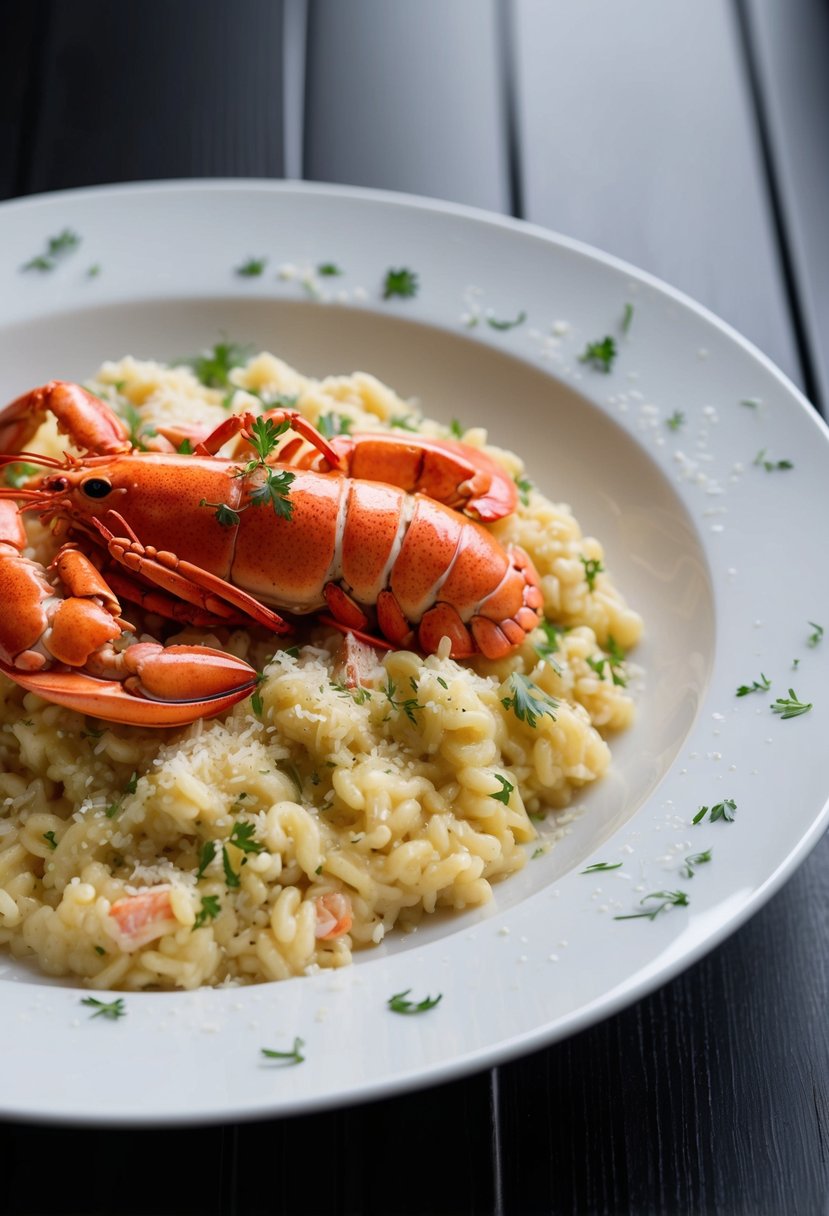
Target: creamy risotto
{"x": 319, "y": 815}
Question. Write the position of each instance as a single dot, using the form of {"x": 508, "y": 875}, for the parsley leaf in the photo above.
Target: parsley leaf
{"x": 206, "y": 855}
{"x": 328, "y": 270}
{"x": 225, "y": 515}
{"x": 526, "y": 706}
{"x": 720, "y": 810}
{"x": 408, "y": 707}
{"x": 403, "y": 422}
{"x": 761, "y": 685}
{"x": 333, "y": 424}
{"x": 456, "y": 430}
{"x": 274, "y": 491}
{"x": 771, "y": 465}
{"x": 242, "y": 836}
{"x": 56, "y": 248}
{"x": 592, "y": 567}
{"x": 599, "y": 866}
{"x": 676, "y": 420}
{"x": 232, "y": 879}
{"x": 264, "y": 435}
{"x": 493, "y": 323}
{"x": 399, "y": 1004}
{"x": 600, "y": 354}
{"x": 549, "y": 646}
{"x": 210, "y": 909}
{"x": 693, "y": 860}
{"x": 400, "y": 283}
{"x": 668, "y": 899}
{"x": 185, "y": 448}
{"x": 524, "y": 487}
{"x": 252, "y": 268}
{"x": 50, "y": 838}
{"x": 627, "y": 317}
{"x": 93, "y": 271}
{"x": 815, "y": 637}
{"x": 112, "y": 1010}
{"x": 294, "y": 1056}
{"x": 790, "y": 707}
{"x": 213, "y": 367}
{"x": 506, "y": 789}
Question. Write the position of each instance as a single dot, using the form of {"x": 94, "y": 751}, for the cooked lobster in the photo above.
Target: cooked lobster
{"x": 380, "y": 531}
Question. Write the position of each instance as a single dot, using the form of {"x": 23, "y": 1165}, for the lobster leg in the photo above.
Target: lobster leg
{"x": 182, "y": 579}
{"x": 240, "y": 424}
{"x": 88, "y": 422}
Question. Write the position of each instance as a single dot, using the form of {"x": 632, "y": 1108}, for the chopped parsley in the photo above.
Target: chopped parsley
{"x": 600, "y": 354}
{"x": 329, "y": 270}
{"x": 790, "y": 707}
{"x": 252, "y": 268}
{"x": 692, "y": 861}
{"x": 333, "y": 424}
{"x": 592, "y": 567}
{"x": 399, "y": 1004}
{"x": 613, "y": 660}
{"x": 761, "y": 685}
{"x": 213, "y": 367}
{"x": 668, "y": 899}
{"x": 750, "y": 402}
{"x": 408, "y": 706}
{"x": 400, "y": 283}
{"x": 600, "y": 866}
{"x": 771, "y": 465}
{"x": 56, "y": 248}
{"x": 232, "y": 879}
{"x": 112, "y": 1010}
{"x": 206, "y": 855}
{"x": 456, "y": 430}
{"x": 275, "y": 489}
{"x": 138, "y": 431}
{"x": 539, "y": 852}
{"x": 17, "y": 474}
{"x": 93, "y": 271}
{"x": 525, "y": 704}
{"x": 294, "y": 1056}
{"x": 627, "y": 317}
{"x": 403, "y": 422}
{"x": 525, "y": 486}
{"x": 676, "y": 420}
{"x": 506, "y": 789}
{"x": 185, "y": 448}
{"x": 815, "y": 637}
{"x": 242, "y": 837}
{"x": 210, "y": 909}
{"x": 549, "y": 646}
{"x": 494, "y": 323}
{"x": 51, "y": 840}
{"x": 725, "y": 810}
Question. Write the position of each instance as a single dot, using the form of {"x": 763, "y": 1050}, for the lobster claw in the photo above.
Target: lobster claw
{"x": 170, "y": 686}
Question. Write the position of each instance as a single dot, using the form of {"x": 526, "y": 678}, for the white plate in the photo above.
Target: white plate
{"x": 724, "y": 559}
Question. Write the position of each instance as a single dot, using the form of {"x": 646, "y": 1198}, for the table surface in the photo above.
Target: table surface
{"x": 690, "y": 139}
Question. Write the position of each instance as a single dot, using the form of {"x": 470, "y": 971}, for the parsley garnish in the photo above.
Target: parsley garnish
{"x": 400, "y": 283}
{"x": 494, "y": 323}
{"x": 524, "y": 487}
{"x": 539, "y": 852}
{"x": 403, "y": 422}
{"x": 206, "y": 855}
{"x": 506, "y": 789}
{"x": 399, "y": 1004}
{"x": 232, "y": 879}
{"x": 138, "y": 431}
{"x": 94, "y": 271}
{"x": 550, "y": 646}
{"x": 815, "y": 637}
{"x": 694, "y": 859}
{"x": 592, "y": 567}
{"x": 409, "y": 706}
{"x": 771, "y": 465}
{"x": 456, "y": 430}
{"x": 598, "y": 866}
{"x": 627, "y": 317}
{"x": 600, "y": 354}
{"x": 790, "y": 707}
{"x": 225, "y": 515}
{"x": 275, "y": 490}
{"x": 185, "y": 448}
{"x": 114, "y": 1010}
{"x": 328, "y": 270}
{"x": 614, "y": 660}
{"x": 242, "y": 836}
{"x": 18, "y": 474}
{"x": 751, "y": 402}
{"x": 213, "y": 367}
{"x": 669, "y": 899}
{"x": 761, "y": 685}
{"x": 294, "y": 1056}
{"x": 252, "y": 268}
{"x": 51, "y": 840}
{"x": 676, "y": 420}
{"x": 333, "y": 424}
{"x": 56, "y": 248}
{"x": 526, "y": 706}
{"x": 210, "y": 909}
{"x": 720, "y": 810}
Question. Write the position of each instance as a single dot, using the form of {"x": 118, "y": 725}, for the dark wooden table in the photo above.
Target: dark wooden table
{"x": 691, "y": 139}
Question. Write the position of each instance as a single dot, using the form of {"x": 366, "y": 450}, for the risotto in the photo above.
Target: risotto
{"x": 320, "y": 814}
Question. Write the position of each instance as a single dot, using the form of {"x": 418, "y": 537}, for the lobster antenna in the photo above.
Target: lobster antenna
{"x": 48, "y": 462}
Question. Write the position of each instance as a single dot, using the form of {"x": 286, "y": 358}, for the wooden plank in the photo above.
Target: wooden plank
{"x": 791, "y": 48}
{"x": 25, "y": 30}
{"x": 156, "y": 90}
{"x": 408, "y": 97}
{"x": 636, "y": 135}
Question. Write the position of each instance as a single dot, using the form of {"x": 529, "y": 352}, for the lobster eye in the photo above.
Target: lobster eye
{"x": 96, "y": 487}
